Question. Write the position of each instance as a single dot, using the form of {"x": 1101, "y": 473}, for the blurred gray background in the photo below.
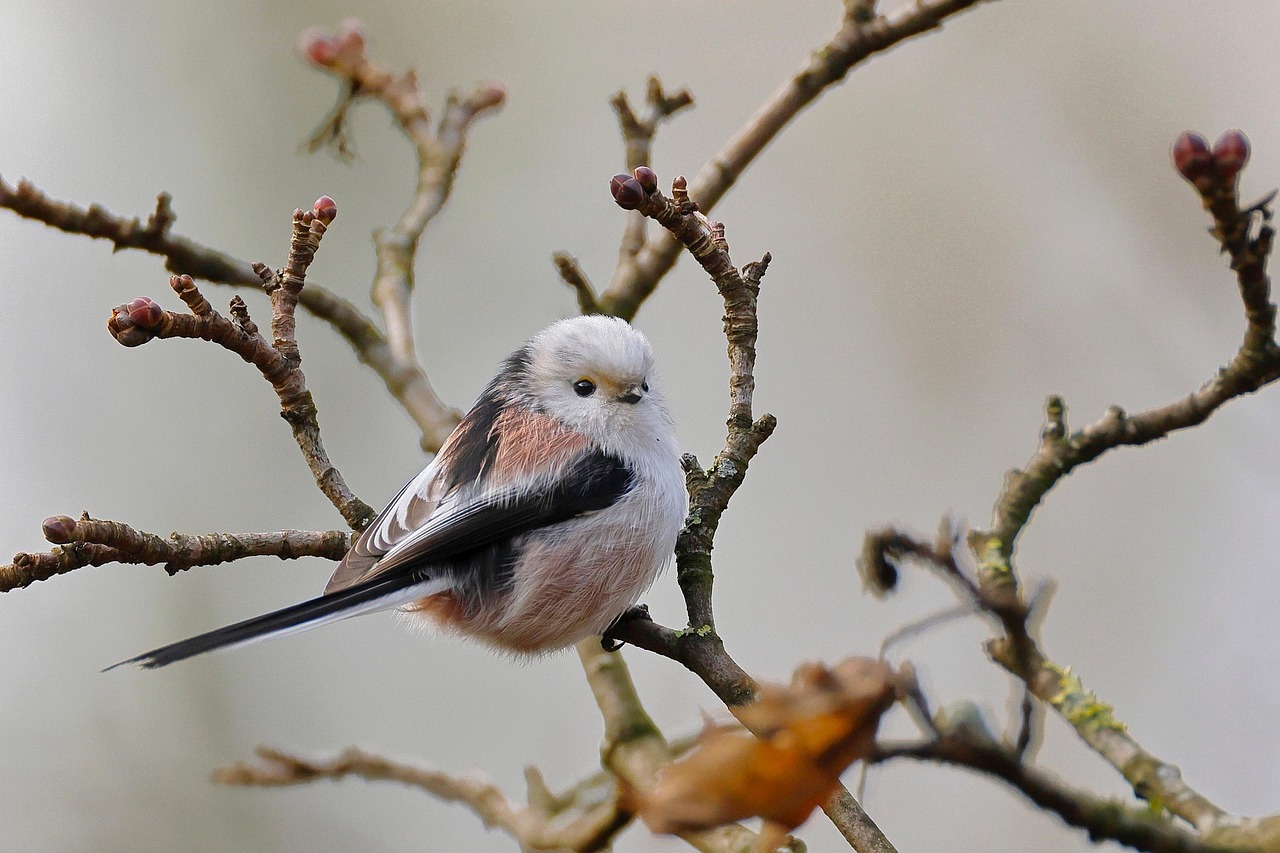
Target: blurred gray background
{"x": 982, "y": 217}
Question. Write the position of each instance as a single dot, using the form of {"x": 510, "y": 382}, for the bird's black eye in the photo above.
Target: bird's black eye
{"x": 584, "y": 387}
{"x": 644, "y": 386}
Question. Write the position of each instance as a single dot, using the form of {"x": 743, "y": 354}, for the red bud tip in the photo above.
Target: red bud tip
{"x": 325, "y": 209}
{"x": 627, "y": 191}
{"x": 1230, "y": 153}
{"x": 144, "y": 312}
{"x": 59, "y": 529}
{"x": 647, "y": 177}
{"x": 123, "y": 329}
{"x": 1191, "y": 155}
{"x": 490, "y": 95}
{"x": 351, "y": 36}
{"x": 317, "y": 47}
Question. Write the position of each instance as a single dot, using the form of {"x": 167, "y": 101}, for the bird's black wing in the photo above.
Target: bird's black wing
{"x": 456, "y": 539}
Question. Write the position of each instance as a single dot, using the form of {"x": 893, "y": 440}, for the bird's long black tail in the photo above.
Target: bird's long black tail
{"x": 382, "y": 593}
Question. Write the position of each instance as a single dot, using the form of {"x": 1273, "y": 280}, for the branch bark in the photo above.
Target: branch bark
{"x": 698, "y": 647}
{"x": 142, "y": 320}
{"x": 94, "y": 542}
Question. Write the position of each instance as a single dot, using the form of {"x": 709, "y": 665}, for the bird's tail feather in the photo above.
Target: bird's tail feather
{"x": 382, "y": 593}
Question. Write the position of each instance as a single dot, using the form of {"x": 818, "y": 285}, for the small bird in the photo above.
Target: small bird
{"x": 546, "y": 514}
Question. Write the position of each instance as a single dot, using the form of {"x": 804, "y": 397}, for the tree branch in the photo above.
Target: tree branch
{"x": 698, "y": 647}
{"x": 94, "y": 542}
{"x": 538, "y": 826}
{"x": 861, "y": 36}
{"x": 1245, "y": 236}
{"x": 184, "y": 256}
{"x": 142, "y": 320}
{"x": 1141, "y": 829}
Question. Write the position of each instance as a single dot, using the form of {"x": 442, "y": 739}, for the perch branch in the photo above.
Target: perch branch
{"x": 142, "y": 320}
{"x": 698, "y": 647}
{"x": 861, "y": 36}
{"x": 94, "y": 542}
{"x": 635, "y": 751}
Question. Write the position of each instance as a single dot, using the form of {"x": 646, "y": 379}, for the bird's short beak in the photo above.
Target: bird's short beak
{"x": 633, "y": 394}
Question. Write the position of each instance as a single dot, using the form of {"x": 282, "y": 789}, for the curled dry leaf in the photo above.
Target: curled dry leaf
{"x": 810, "y": 731}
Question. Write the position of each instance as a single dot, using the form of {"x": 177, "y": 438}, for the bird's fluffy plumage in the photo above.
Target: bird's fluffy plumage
{"x": 546, "y": 514}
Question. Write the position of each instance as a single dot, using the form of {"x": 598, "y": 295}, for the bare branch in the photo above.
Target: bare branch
{"x": 439, "y": 152}
{"x": 1139, "y": 828}
{"x": 94, "y": 542}
{"x": 532, "y": 827}
{"x": 698, "y": 647}
{"x": 280, "y": 364}
{"x": 1245, "y": 235}
{"x": 186, "y": 257}
{"x": 860, "y": 37}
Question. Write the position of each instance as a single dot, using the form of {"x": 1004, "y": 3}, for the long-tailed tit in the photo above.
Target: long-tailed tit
{"x": 546, "y": 514}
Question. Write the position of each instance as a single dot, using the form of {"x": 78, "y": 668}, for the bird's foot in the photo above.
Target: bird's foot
{"x": 609, "y": 642}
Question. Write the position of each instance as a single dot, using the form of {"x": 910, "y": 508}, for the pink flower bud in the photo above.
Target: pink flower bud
{"x": 325, "y": 209}
{"x": 1230, "y": 153}
{"x": 144, "y": 312}
{"x": 1191, "y": 155}
{"x": 627, "y": 191}
{"x": 647, "y": 177}
{"x": 59, "y": 529}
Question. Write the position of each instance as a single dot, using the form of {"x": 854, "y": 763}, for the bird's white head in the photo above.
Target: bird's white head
{"x": 596, "y": 374}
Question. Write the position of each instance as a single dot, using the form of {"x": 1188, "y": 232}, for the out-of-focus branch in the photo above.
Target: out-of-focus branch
{"x": 539, "y": 826}
{"x": 698, "y": 647}
{"x": 142, "y": 320}
{"x": 1139, "y": 828}
{"x": 638, "y": 130}
{"x": 1058, "y": 687}
{"x": 94, "y": 542}
{"x": 439, "y": 150}
{"x": 863, "y": 34}
{"x": 635, "y": 751}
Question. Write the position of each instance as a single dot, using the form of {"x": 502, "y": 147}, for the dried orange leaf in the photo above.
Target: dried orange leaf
{"x": 811, "y": 731}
